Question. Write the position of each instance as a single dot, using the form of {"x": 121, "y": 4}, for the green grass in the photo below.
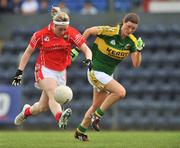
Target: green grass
{"x": 108, "y": 139}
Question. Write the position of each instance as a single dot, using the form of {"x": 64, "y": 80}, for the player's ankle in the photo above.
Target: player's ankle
{"x": 57, "y": 116}
{"x": 99, "y": 113}
{"x": 27, "y": 112}
{"x": 81, "y": 129}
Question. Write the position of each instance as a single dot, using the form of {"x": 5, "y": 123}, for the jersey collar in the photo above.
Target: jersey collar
{"x": 119, "y": 28}
{"x": 50, "y": 27}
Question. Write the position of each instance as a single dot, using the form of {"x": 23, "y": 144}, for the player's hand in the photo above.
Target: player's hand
{"x": 74, "y": 54}
{"x": 17, "y": 78}
{"x": 88, "y": 63}
{"x": 140, "y": 44}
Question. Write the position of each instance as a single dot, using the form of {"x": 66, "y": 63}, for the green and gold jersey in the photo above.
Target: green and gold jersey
{"x": 109, "y": 49}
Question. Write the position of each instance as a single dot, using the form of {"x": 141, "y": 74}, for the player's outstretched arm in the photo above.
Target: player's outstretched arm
{"x": 23, "y": 62}
{"x": 88, "y": 54}
{"x": 90, "y": 31}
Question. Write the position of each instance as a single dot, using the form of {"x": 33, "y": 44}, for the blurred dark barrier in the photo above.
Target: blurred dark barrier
{"x": 10, "y": 23}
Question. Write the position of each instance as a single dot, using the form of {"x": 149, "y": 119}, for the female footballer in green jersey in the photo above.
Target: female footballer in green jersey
{"x": 111, "y": 46}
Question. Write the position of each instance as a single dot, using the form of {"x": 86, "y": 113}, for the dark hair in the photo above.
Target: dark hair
{"x": 132, "y": 17}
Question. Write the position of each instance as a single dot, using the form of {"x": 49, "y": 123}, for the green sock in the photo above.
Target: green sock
{"x": 81, "y": 129}
{"x": 99, "y": 112}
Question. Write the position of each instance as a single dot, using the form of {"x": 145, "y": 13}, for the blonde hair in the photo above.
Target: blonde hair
{"x": 59, "y": 17}
{"x": 54, "y": 11}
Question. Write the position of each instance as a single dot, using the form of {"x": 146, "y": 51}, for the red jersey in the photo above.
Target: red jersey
{"x": 55, "y": 51}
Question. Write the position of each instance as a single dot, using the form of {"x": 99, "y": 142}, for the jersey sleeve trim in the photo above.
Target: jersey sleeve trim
{"x": 107, "y": 30}
{"x": 76, "y": 37}
{"x": 34, "y": 41}
{"x": 133, "y": 38}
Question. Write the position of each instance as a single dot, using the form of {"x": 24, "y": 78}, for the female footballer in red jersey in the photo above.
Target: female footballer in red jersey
{"x": 54, "y": 43}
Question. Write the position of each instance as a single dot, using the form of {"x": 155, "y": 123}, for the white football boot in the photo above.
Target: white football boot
{"x": 20, "y": 118}
{"x": 63, "y": 120}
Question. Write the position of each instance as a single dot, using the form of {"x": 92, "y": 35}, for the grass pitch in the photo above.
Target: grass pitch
{"x": 103, "y": 139}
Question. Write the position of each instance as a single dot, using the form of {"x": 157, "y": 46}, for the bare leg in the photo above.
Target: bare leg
{"x": 46, "y": 101}
{"x": 49, "y": 85}
{"x": 103, "y": 101}
{"x": 36, "y": 108}
{"x": 98, "y": 98}
{"x": 41, "y": 105}
{"x": 117, "y": 92}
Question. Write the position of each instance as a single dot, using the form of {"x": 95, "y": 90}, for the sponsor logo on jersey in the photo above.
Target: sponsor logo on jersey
{"x": 112, "y": 52}
{"x": 117, "y": 53}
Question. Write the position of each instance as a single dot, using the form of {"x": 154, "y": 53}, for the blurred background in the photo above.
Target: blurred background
{"x": 153, "y": 90}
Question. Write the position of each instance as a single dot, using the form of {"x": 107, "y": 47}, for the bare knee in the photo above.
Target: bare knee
{"x": 121, "y": 93}
{"x": 50, "y": 92}
{"x": 50, "y": 95}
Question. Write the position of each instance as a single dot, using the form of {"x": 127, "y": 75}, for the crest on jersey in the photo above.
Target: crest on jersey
{"x": 46, "y": 38}
{"x": 113, "y": 42}
{"x": 65, "y": 37}
{"x": 127, "y": 46}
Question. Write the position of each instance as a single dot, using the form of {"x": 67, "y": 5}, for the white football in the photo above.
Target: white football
{"x": 63, "y": 94}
